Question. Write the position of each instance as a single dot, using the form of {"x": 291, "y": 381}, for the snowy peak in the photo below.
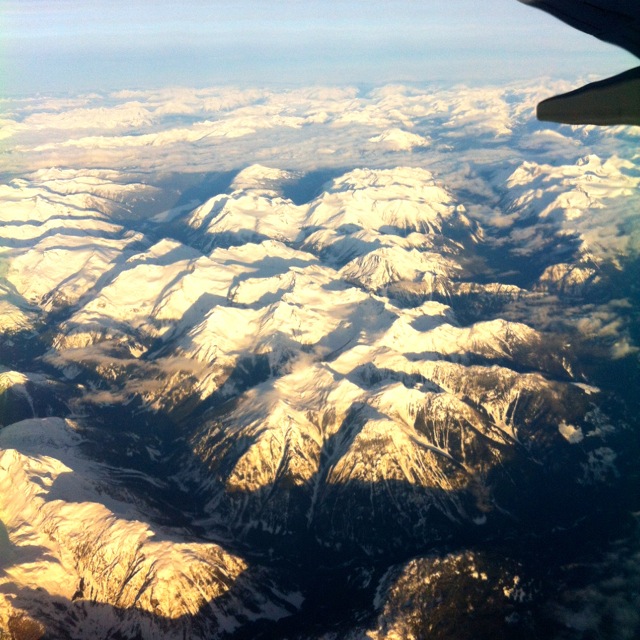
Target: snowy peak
{"x": 388, "y": 265}
{"x": 259, "y": 178}
{"x": 244, "y": 216}
{"x": 396, "y": 139}
{"x": 404, "y": 199}
{"x": 557, "y": 199}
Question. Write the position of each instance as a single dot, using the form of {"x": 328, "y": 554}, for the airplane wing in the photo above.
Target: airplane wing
{"x": 612, "y": 101}
{"x": 614, "y": 21}
{"x": 608, "y": 102}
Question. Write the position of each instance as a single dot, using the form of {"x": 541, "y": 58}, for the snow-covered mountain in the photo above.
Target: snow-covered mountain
{"x": 229, "y": 399}
{"x": 76, "y": 538}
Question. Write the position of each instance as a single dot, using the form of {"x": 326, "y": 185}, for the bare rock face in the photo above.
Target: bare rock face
{"x": 459, "y": 594}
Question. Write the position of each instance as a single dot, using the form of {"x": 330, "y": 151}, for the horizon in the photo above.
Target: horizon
{"x": 130, "y": 45}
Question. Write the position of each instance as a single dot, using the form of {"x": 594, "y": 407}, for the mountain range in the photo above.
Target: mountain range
{"x": 344, "y": 402}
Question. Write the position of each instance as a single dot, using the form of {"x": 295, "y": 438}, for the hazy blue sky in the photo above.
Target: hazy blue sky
{"x": 90, "y": 44}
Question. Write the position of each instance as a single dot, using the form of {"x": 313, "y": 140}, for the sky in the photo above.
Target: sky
{"x": 90, "y": 45}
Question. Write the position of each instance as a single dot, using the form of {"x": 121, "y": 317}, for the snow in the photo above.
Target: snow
{"x": 63, "y": 267}
{"x": 259, "y": 178}
{"x": 331, "y": 338}
{"x": 351, "y": 335}
{"x": 404, "y": 198}
{"x": 563, "y": 195}
{"x": 15, "y": 313}
{"x": 127, "y": 115}
{"x": 572, "y": 434}
{"x": 567, "y": 277}
{"x": 387, "y": 265}
{"x": 250, "y": 214}
{"x": 399, "y": 140}
{"x": 62, "y": 526}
